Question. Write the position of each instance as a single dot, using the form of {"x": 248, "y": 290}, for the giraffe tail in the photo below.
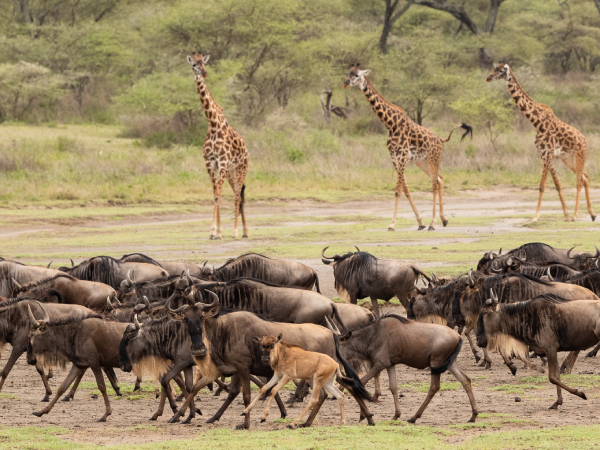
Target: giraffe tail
{"x": 468, "y": 130}
{"x": 242, "y": 195}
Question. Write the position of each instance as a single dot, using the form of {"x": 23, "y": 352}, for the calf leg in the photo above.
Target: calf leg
{"x": 466, "y": 384}
{"x": 40, "y": 370}
{"x": 74, "y": 373}
{"x": 567, "y": 366}
{"x": 375, "y": 304}
{"x": 394, "y": 390}
{"x": 280, "y": 404}
{"x": 433, "y": 388}
{"x": 100, "y": 383}
{"x": 263, "y": 390}
{"x": 314, "y": 411}
{"x": 330, "y": 387}
{"x": 554, "y": 377}
{"x": 314, "y": 399}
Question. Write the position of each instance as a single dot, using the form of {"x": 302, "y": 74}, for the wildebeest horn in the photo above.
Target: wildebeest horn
{"x": 494, "y": 296}
{"x": 117, "y": 300}
{"x": 15, "y": 282}
{"x": 128, "y": 277}
{"x": 34, "y": 322}
{"x": 135, "y": 321}
{"x": 189, "y": 278}
{"x": 72, "y": 263}
{"x": 549, "y": 275}
{"x": 357, "y": 249}
{"x": 597, "y": 263}
{"x": 569, "y": 252}
{"x": 330, "y": 325}
{"x": 471, "y": 282}
{"x": 146, "y": 304}
{"x": 509, "y": 261}
{"x": 589, "y": 255}
{"x": 500, "y": 252}
{"x": 491, "y": 255}
{"x": 493, "y": 268}
{"x": 49, "y": 264}
{"x": 175, "y": 311}
{"x": 205, "y": 263}
{"x": 434, "y": 278}
{"x": 323, "y": 253}
{"x": 110, "y": 306}
{"x": 489, "y": 301}
{"x": 214, "y": 297}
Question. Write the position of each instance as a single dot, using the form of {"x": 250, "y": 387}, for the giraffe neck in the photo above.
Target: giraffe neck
{"x": 533, "y": 111}
{"x": 390, "y": 115}
{"x": 214, "y": 113}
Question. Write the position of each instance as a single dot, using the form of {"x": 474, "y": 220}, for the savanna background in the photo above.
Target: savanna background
{"x": 101, "y": 134}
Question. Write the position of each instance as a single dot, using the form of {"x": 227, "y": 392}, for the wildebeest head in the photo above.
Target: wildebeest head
{"x": 131, "y": 333}
{"x": 484, "y": 265}
{"x": 350, "y": 270}
{"x": 206, "y": 271}
{"x": 267, "y": 344}
{"x": 486, "y": 316}
{"x": 37, "y": 328}
{"x": 584, "y": 261}
{"x": 194, "y": 316}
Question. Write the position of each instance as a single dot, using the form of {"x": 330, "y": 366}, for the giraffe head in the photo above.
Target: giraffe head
{"x": 198, "y": 61}
{"x": 356, "y": 77}
{"x": 501, "y": 72}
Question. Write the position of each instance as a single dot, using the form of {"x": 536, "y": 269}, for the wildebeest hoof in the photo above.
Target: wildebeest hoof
{"x": 46, "y": 399}
{"x": 153, "y": 418}
{"x": 121, "y": 395}
{"x": 513, "y": 370}
{"x": 420, "y": 227}
{"x": 591, "y": 355}
{"x": 361, "y": 418}
{"x": 211, "y": 420}
{"x": 472, "y": 419}
{"x": 444, "y": 222}
{"x": 581, "y": 394}
{"x": 173, "y": 420}
{"x": 411, "y": 420}
{"x": 431, "y": 228}
{"x": 263, "y": 420}
{"x": 396, "y": 417}
{"x": 198, "y": 411}
{"x": 214, "y": 238}
{"x": 241, "y": 427}
{"x": 37, "y": 414}
{"x": 243, "y": 414}
{"x": 477, "y": 358}
{"x": 593, "y": 218}
{"x": 66, "y": 398}
{"x": 101, "y": 419}
{"x": 137, "y": 388}
{"x": 187, "y": 421}
{"x": 488, "y": 365}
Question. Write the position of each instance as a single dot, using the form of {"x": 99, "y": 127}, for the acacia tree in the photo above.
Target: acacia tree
{"x": 393, "y": 11}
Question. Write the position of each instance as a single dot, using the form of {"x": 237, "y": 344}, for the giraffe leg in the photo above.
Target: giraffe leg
{"x": 542, "y": 189}
{"x": 441, "y": 194}
{"x": 217, "y": 234}
{"x": 412, "y": 204}
{"x": 398, "y": 191}
{"x": 560, "y": 193}
{"x": 237, "y": 191}
{"x": 585, "y": 182}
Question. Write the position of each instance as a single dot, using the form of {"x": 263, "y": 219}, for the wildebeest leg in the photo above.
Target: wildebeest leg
{"x": 591, "y": 354}
{"x": 189, "y": 384}
{"x": 467, "y": 333}
{"x": 567, "y": 366}
{"x": 166, "y": 392}
{"x": 15, "y": 354}
{"x": 487, "y": 361}
{"x": 203, "y": 382}
{"x": 364, "y": 411}
{"x": 74, "y": 373}
{"x": 112, "y": 379}
{"x": 377, "y": 387}
{"x": 138, "y": 383}
{"x": 280, "y": 404}
{"x": 554, "y": 377}
{"x": 433, "y": 388}
{"x": 531, "y": 366}
{"x": 466, "y": 384}
{"x": 375, "y": 304}
{"x": 71, "y": 393}
{"x": 247, "y": 394}
{"x": 394, "y": 390}
{"x": 509, "y": 363}
{"x": 221, "y": 385}
{"x": 102, "y": 386}
{"x": 234, "y": 390}
{"x": 315, "y": 410}
{"x": 300, "y": 392}
{"x": 40, "y": 370}
{"x": 50, "y": 373}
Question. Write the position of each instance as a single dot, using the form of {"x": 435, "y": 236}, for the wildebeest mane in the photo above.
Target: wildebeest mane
{"x": 589, "y": 279}
{"x": 534, "y": 251}
{"x": 266, "y": 283}
{"x": 42, "y": 281}
{"x": 231, "y": 270}
{"x": 497, "y": 283}
{"x": 13, "y": 301}
{"x": 144, "y": 258}
{"x": 99, "y": 268}
{"x": 353, "y": 269}
{"x": 69, "y": 320}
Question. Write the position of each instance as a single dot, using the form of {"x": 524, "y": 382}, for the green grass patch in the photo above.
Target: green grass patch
{"x": 424, "y": 387}
{"x": 515, "y": 388}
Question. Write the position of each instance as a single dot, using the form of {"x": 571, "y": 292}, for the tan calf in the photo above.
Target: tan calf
{"x": 290, "y": 362}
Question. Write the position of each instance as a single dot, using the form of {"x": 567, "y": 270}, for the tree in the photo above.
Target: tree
{"x": 393, "y": 11}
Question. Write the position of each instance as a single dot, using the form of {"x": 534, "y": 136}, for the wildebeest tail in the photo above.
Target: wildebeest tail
{"x": 317, "y": 288}
{"x": 418, "y": 272}
{"x": 441, "y": 369}
{"x": 334, "y": 313}
{"x": 55, "y": 293}
{"x": 351, "y": 379}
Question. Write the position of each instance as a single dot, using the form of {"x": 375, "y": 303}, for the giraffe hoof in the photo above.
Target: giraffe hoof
{"x": 245, "y": 236}
{"x": 444, "y": 222}
{"x": 391, "y": 229}
{"x": 214, "y": 238}
{"x": 593, "y": 218}
{"x": 420, "y": 227}
{"x": 430, "y": 228}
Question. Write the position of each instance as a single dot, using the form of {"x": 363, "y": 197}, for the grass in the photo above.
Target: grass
{"x": 515, "y": 388}
{"x": 424, "y": 387}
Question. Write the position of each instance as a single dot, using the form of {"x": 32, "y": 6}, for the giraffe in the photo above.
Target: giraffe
{"x": 554, "y": 140}
{"x": 225, "y": 153}
{"x": 407, "y": 141}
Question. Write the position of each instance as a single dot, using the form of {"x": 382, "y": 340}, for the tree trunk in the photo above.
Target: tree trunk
{"x": 23, "y": 8}
{"x": 597, "y": 3}
{"x": 493, "y": 15}
{"x": 326, "y": 105}
{"x": 387, "y": 28}
{"x": 389, "y": 19}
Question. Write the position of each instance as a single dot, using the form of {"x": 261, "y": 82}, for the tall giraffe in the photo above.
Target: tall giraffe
{"x": 225, "y": 153}
{"x": 554, "y": 140}
{"x": 407, "y": 141}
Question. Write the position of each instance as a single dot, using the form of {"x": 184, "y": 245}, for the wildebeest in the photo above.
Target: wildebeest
{"x": 393, "y": 339}
{"x": 172, "y": 267}
{"x": 15, "y": 324}
{"x": 361, "y": 275}
{"x": 90, "y": 342}
{"x": 158, "y": 289}
{"x": 278, "y": 303}
{"x": 540, "y": 253}
{"x": 13, "y": 271}
{"x": 162, "y": 349}
{"x": 547, "y": 325}
{"x": 110, "y": 271}
{"x": 222, "y": 344}
{"x": 69, "y": 290}
{"x": 260, "y": 267}
{"x": 511, "y": 288}
{"x": 291, "y": 362}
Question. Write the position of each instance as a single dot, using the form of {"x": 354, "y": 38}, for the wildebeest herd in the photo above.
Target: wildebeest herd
{"x": 256, "y": 319}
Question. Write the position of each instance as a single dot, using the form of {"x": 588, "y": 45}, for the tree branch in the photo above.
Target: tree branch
{"x": 597, "y": 3}
{"x": 488, "y": 27}
{"x": 457, "y": 11}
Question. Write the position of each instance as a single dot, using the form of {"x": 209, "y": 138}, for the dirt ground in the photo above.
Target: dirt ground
{"x": 495, "y": 390}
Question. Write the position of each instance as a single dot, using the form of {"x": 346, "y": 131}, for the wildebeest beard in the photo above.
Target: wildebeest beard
{"x": 353, "y": 270}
